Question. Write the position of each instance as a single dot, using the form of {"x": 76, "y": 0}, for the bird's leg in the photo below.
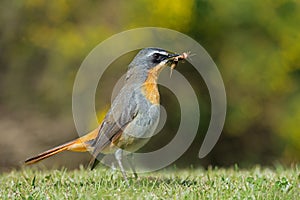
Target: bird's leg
{"x": 118, "y": 156}
{"x": 129, "y": 159}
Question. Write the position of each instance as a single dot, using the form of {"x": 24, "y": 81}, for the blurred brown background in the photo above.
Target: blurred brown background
{"x": 255, "y": 44}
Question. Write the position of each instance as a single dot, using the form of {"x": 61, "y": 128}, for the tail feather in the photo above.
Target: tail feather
{"x": 81, "y": 144}
{"x": 48, "y": 153}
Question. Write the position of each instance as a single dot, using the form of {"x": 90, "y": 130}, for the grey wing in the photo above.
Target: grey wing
{"x": 122, "y": 112}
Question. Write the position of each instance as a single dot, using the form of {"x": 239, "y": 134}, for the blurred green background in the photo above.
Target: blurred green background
{"x": 255, "y": 44}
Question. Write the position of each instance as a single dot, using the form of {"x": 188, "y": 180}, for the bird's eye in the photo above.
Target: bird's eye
{"x": 158, "y": 57}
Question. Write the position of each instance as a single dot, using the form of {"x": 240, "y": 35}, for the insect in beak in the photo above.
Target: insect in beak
{"x": 177, "y": 57}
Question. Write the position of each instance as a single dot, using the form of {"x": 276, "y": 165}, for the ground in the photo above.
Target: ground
{"x": 104, "y": 183}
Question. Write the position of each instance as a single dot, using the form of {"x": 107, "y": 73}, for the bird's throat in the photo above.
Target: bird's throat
{"x": 149, "y": 87}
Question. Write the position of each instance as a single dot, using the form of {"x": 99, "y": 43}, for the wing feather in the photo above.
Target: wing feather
{"x": 119, "y": 116}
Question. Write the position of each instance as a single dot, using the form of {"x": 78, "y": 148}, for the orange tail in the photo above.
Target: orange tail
{"x": 80, "y": 144}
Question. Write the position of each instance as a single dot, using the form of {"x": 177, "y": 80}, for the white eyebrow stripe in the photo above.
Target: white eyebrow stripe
{"x": 160, "y": 52}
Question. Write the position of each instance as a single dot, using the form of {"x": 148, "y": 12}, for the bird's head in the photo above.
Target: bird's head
{"x": 154, "y": 60}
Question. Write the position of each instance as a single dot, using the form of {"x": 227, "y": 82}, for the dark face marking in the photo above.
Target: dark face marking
{"x": 157, "y": 57}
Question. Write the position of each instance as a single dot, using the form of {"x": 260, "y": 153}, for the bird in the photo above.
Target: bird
{"x": 133, "y": 115}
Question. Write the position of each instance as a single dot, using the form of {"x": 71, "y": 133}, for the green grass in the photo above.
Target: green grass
{"x": 233, "y": 183}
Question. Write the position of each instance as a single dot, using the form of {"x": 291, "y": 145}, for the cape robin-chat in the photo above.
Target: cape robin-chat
{"x": 134, "y": 113}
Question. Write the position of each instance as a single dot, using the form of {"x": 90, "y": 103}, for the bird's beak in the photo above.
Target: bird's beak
{"x": 172, "y": 56}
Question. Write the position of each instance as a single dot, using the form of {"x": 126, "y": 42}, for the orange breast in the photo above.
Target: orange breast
{"x": 151, "y": 92}
{"x": 149, "y": 87}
